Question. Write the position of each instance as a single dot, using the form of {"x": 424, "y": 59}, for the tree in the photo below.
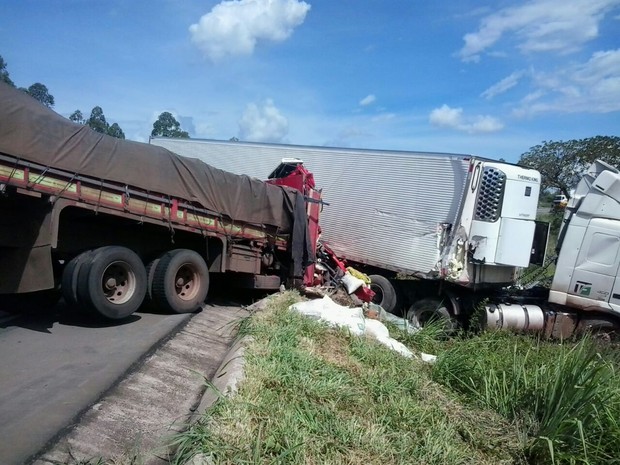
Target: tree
{"x": 97, "y": 121}
{"x": 37, "y": 90}
{"x": 4, "y": 74}
{"x": 116, "y": 131}
{"x": 77, "y": 117}
{"x": 167, "y": 126}
{"x": 40, "y": 92}
{"x": 561, "y": 164}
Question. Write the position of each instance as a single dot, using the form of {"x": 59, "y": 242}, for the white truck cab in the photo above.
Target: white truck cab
{"x": 586, "y": 275}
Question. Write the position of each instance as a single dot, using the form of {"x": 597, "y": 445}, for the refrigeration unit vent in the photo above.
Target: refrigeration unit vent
{"x": 489, "y": 202}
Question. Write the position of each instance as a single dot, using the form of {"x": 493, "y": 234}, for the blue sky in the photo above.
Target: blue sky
{"x": 491, "y": 78}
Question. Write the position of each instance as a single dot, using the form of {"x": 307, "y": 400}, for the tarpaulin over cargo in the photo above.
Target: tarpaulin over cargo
{"x": 33, "y": 132}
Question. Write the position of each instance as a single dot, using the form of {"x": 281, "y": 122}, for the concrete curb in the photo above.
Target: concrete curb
{"x": 230, "y": 373}
{"x": 162, "y": 396}
{"x": 226, "y": 378}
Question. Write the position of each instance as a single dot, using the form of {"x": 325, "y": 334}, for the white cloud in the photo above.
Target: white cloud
{"x": 592, "y": 87}
{"x": 453, "y": 118}
{"x": 368, "y": 100}
{"x": 263, "y": 124}
{"x": 187, "y": 124}
{"x": 234, "y": 27}
{"x": 540, "y": 26}
{"x": 502, "y": 86}
{"x": 446, "y": 116}
{"x": 483, "y": 123}
{"x": 139, "y": 137}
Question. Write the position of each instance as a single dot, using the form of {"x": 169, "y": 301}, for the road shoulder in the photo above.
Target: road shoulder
{"x": 158, "y": 399}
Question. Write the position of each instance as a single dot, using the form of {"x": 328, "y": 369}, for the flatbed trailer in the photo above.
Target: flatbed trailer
{"x": 117, "y": 223}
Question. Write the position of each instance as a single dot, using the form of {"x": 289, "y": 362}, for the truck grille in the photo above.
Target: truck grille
{"x": 490, "y": 195}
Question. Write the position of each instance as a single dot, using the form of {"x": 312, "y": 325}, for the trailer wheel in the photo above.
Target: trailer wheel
{"x": 112, "y": 283}
{"x": 150, "y": 273}
{"x": 432, "y": 310}
{"x": 598, "y": 327}
{"x": 180, "y": 281}
{"x": 68, "y": 284}
{"x": 385, "y": 294}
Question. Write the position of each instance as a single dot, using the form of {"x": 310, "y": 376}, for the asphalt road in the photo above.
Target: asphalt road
{"x": 54, "y": 365}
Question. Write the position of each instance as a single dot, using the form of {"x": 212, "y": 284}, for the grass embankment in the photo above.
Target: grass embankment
{"x": 314, "y": 395}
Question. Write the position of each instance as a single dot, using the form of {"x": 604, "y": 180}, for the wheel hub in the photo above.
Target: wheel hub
{"x": 118, "y": 283}
{"x": 187, "y": 282}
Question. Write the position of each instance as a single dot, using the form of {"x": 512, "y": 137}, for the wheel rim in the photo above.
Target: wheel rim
{"x": 118, "y": 282}
{"x": 378, "y": 297}
{"x": 187, "y": 282}
{"x": 422, "y": 316}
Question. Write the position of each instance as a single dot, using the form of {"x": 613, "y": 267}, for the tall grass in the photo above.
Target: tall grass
{"x": 564, "y": 397}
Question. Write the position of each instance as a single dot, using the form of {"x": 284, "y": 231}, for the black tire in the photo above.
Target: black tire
{"x": 385, "y": 294}
{"x": 598, "y": 327}
{"x": 150, "y": 273}
{"x": 68, "y": 285}
{"x": 180, "y": 281}
{"x": 112, "y": 283}
{"x": 429, "y": 310}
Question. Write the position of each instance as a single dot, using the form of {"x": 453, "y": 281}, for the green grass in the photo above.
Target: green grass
{"x": 564, "y": 397}
{"x": 314, "y": 395}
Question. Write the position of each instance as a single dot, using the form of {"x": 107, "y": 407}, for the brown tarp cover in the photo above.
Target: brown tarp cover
{"x": 33, "y": 132}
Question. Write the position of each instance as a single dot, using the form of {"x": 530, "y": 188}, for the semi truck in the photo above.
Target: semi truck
{"x": 446, "y": 236}
{"x": 113, "y": 224}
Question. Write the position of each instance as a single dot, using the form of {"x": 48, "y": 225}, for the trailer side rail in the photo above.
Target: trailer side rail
{"x": 30, "y": 177}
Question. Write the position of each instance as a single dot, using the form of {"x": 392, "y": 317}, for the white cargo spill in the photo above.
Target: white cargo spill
{"x": 353, "y": 319}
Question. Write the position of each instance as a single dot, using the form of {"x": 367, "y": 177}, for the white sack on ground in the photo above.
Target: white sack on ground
{"x": 327, "y": 310}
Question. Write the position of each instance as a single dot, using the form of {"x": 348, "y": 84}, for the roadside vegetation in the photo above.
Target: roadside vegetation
{"x": 314, "y": 395}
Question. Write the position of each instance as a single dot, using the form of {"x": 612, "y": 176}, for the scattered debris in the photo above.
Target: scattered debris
{"x": 336, "y": 315}
{"x": 332, "y": 274}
